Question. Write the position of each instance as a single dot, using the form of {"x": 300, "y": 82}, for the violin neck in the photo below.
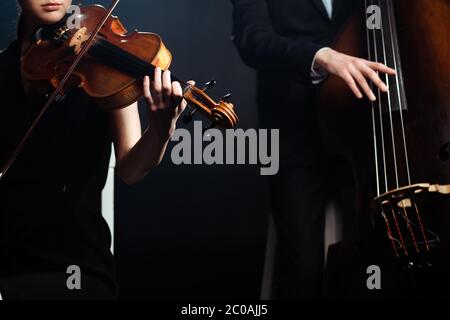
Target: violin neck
{"x": 122, "y": 60}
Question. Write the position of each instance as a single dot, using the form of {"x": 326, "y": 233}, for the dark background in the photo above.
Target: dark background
{"x": 189, "y": 231}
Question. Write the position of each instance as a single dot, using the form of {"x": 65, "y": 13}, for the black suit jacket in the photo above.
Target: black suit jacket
{"x": 279, "y": 38}
{"x": 282, "y": 36}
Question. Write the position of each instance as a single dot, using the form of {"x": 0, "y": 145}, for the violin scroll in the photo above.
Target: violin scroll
{"x": 221, "y": 113}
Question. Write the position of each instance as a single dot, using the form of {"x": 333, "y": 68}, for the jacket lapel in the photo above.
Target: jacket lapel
{"x": 319, "y": 6}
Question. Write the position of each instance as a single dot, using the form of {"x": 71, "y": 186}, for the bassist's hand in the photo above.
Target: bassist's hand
{"x": 356, "y": 72}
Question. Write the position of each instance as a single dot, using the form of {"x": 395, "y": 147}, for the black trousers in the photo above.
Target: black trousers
{"x": 299, "y": 194}
{"x": 308, "y": 179}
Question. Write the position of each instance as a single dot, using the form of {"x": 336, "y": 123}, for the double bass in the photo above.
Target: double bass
{"x": 399, "y": 150}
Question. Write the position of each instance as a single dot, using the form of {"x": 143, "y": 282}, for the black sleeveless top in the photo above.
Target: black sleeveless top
{"x": 50, "y": 209}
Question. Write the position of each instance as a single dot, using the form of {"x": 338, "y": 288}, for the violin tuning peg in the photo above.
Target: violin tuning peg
{"x": 209, "y": 85}
{"x": 226, "y": 98}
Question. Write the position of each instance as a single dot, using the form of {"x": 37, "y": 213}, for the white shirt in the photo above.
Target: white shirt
{"x": 329, "y": 6}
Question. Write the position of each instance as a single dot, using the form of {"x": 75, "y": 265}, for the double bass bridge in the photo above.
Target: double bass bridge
{"x": 401, "y": 212}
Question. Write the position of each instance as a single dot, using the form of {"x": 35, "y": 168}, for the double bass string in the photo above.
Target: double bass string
{"x": 374, "y": 128}
{"x": 392, "y": 32}
{"x": 380, "y": 112}
{"x": 395, "y": 55}
{"x": 394, "y": 147}
{"x": 393, "y": 240}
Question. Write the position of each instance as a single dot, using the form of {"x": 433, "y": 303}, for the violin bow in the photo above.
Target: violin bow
{"x": 57, "y": 94}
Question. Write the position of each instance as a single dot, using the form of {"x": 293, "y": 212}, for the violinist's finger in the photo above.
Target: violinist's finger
{"x": 177, "y": 93}
{"x": 157, "y": 86}
{"x": 147, "y": 92}
{"x": 167, "y": 86}
{"x": 184, "y": 103}
{"x": 183, "y": 106}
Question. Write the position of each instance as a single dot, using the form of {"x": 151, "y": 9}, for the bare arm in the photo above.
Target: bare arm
{"x": 138, "y": 153}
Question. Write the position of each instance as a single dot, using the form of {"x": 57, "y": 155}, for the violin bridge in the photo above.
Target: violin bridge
{"x": 78, "y": 39}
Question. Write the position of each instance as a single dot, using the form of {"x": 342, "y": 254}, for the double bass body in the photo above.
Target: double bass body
{"x": 398, "y": 149}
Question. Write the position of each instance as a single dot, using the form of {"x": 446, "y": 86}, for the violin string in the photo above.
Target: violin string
{"x": 122, "y": 58}
{"x": 394, "y": 147}
{"x": 374, "y": 127}
{"x": 380, "y": 111}
{"x": 393, "y": 31}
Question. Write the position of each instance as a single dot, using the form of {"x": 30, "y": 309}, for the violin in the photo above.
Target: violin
{"x": 108, "y": 64}
{"x": 398, "y": 146}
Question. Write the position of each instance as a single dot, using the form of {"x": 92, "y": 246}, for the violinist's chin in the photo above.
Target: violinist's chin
{"x": 45, "y": 11}
{"x": 52, "y": 12}
{"x": 52, "y": 6}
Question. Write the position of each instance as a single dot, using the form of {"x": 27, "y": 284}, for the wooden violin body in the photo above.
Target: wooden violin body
{"x": 398, "y": 149}
{"x": 111, "y": 72}
{"x": 49, "y": 60}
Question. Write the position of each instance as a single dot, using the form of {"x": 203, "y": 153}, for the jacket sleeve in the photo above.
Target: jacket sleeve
{"x": 262, "y": 48}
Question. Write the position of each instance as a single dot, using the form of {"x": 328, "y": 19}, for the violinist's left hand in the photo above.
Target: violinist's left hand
{"x": 138, "y": 153}
{"x": 165, "y": 102}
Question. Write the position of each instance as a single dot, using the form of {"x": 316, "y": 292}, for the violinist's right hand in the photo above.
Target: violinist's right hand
{"x": 354, "y": 71}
